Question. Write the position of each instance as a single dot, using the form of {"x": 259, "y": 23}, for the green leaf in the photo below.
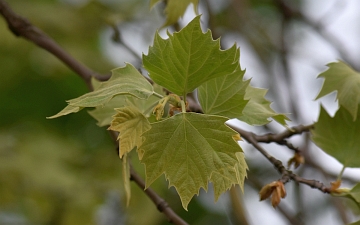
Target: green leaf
{"x": 124, "y": 81}
{"x": 188, "y": 58}
{"x": 342, "y": 78}
{"x": 67, "y": 110}
{"x": 225, "y": 178}
{"x": 339, "y": 136}
{"x": 224, "y": 95}
{"x": 103, "y": 114}
{"x": 258, "y": 110}
{"x": 131, "y": 124}
{"x": 175, "y": 9}
{"x": 353, "y": 194}
{"x": 188, "y": 148}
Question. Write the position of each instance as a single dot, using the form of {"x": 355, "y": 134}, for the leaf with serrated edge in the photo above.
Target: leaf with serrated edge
{"x": 103, "y": 114}
{"x": 338, "y": 136}
{"x": 225, "y": 178}
{"x": 124, "y": 81}
{"x": 188, "y": 148}
{"x": 342, "y": 78}
{"x": 224, "y": 96}
{"x": 131, "y": 124}
{"x": 175, "y": 9}
{"x": 258, "y": 110}
{"x": 188, "y": 58}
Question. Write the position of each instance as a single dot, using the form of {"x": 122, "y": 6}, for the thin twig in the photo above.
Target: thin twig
{"x": 21, "y": 27}
{"x": 160, "y": 203}
{"x": 286, "y": 175}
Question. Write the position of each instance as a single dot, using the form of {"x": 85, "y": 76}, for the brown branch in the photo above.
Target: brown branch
{"x": 280, "y": 137}
{"x": 286, "y": 175}
{"x": 22, "y": 27}
{"x": 160, "y": 203}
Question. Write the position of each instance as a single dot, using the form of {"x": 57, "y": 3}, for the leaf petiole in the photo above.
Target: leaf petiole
{"x": 158, "y": 95}
{"x": 183, "y": 107}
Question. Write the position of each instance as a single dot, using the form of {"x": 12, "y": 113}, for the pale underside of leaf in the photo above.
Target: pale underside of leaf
{"x": 342, "y": 78}
{"x": 339, "y": 136}
{"x": 188, "y": 58}
{"x": 67, "y": 110}
{"x": 103, "y": 114}
{"x": 225, "y": 95}
{"x": 188, "y": 148}
{"x": 131, "y": 124}
{"x": 258, "y": 110}
{"x": 124, "y": 81}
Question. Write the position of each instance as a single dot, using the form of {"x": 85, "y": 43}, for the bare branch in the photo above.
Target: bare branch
{"x": 160, "y": 203}
{"x": 21, "y": 27}
{"x": 286, "y": 175}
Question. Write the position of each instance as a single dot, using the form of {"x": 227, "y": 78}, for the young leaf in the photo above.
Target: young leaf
{"x": 67, "y": 110}
{"x": 188, "y": 148}
{"x": 175, "y": 9}
{"x": 103, "y": 114}
{"x": 258, "y": 110}
{"x": 188, "y": 58}
{"x": 131, "y": 124}
{"x": 124, "y": 81}
{"x": 342, "y": 78}
{"x": 225, "y": 178}
{"x": 224, "y": 96}
{"x": 339, "y": 136}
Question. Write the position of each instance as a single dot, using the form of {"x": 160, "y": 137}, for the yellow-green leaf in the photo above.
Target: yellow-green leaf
{"x": 342, "y": 78}
{"x": 339, "y": 136}
{"x": 131, "y": 124}
{"x": 103, "y": 114}
{"x": 188, "y": 148}
{"x": 124, "y": 81}
{"x": 67, "y": 110}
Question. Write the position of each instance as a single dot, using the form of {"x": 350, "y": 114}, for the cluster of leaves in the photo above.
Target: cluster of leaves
{"x": 339, "y": 136}
{"x": 191, "y": 149}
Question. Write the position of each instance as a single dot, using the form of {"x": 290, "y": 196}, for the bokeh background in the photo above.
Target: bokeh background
{"x": 66, "y": 170}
